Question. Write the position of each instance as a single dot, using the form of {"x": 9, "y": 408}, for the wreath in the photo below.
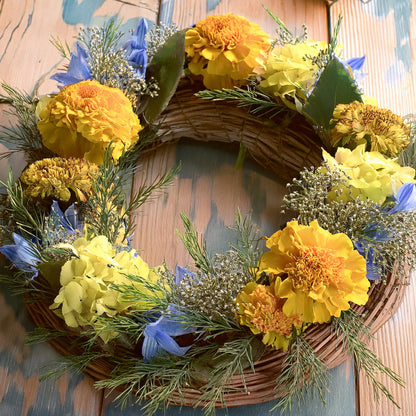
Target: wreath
{"x": 248, "y": 325}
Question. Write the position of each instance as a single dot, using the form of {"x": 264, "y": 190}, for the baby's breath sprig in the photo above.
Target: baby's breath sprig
{"x": 108, "y": 63}
{"x": 213, "y": 294}
{"x": 284, "y": 35}
{"x": 157, "y": 36}
{"x": 408, "y": 156}
{"x": 361, "y": 219}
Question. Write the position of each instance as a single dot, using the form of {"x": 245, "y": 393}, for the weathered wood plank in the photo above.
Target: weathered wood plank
{"x": 385, "y": 32}
{"x": 21, "y": 393}
{"x": 293, "y": 12}
{"x": 26, "y": 55}
{"x": 25, "y": 39}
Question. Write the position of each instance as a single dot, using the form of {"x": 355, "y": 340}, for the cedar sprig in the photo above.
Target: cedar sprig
{"x": 303, "y": 371}
{"x": 198, "y": 252}
{"x": 351, "y": 329}
{"x": 257, "y": 102}
{"x": 23, "y": 136}
{"x": 248, "y": 242}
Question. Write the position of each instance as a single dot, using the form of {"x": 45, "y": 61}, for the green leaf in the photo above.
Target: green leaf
{"x": 335, "y": 86}
{"x": 167, "y": 68}
{"x": 51, "y": 271}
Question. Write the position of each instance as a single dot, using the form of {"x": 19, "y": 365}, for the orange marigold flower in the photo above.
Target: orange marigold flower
{"x": 322, "y": 272}
{"x": 84, "y": 118}
{"x": 57, "y": 177}
{"x": 380, "y": 129}
{"x": 226, "y": 50}
{"x": 259, "y": 308}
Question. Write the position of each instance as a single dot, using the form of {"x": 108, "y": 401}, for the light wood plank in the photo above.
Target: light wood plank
{"x": 293, "y": 13}
{"x": 385, "y": 32}
{"x": 209, "y": 190}
{"x": 26, "y": 55}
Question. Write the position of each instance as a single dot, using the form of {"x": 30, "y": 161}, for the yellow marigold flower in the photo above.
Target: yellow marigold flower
{"x": 225, "y": 50}
{"x": 290, "y": 72}
{"x": 84, "y": 118}
{"x": 322, "y": 272}
{"x": 86, "y": 281}
{"x": 370, "y": 174}
{"x": 57, "y": 177}
{"x": 378, "y": 128}
{"x": 259, "y": 308}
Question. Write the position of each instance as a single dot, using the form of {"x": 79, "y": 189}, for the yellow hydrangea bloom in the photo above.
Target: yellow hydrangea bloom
{"x": 322, "y": 272}
{"x": 380, "y": 129}
{"x": 85, "y": 281}
{"x": 289, "y": 74}
{"x": 260, "y": 308}
{"x": 225, "y": 50}
{"x": 371, "y": 175}
{"x": 57, "y": 177}
{"x": 84, "y": 118}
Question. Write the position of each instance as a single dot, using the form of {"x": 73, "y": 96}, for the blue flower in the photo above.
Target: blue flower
{"x": 136, "y": 48}
{"x": 372, "y": 273}
{"x": 405, "y": 201}
{"x": 21, "y": 255}
{"x": 405, "y": 198}
{"x": 355, "y": 65}
{"x": 78, "y": 68}
{"x": 181, "y": 272}
{"x": 158, "y": 335}
{"x": 69, "y": 219}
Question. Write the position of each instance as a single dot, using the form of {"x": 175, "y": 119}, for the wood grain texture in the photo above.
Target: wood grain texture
{"x": 208, "y": 189}
{"x": 293, "y": 12}
{"x": 21, "y": 392}
{"x": 385, "y": 32}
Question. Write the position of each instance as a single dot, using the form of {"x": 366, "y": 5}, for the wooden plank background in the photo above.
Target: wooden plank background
{"x": 385, "y": 31}
{"x": 208, "y": 188}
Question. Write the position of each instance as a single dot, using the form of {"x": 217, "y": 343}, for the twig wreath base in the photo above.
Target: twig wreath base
{"x": 200, "y": 120}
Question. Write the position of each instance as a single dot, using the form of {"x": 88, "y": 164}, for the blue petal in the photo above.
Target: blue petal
{"x": 136, "y": 48}
{"x": 21, "y": 254}
{"x": 156, "y": 340}
{"x": 150, "y": 348}
{"x": 356, "y": 63}
{"x": 64, "y": 78}
{"x": 69, "y": 219}
{"x": 140, "y": 33}
{"x": 169, "y": 344}
{"x": 405, "y": 198}
{"x": 78, "y": 68}
{"x": 170, "y": 324}
{"x": 158, "y": 335}
{"x": 371, "y": 267}
{"x": 180, "y": 273}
